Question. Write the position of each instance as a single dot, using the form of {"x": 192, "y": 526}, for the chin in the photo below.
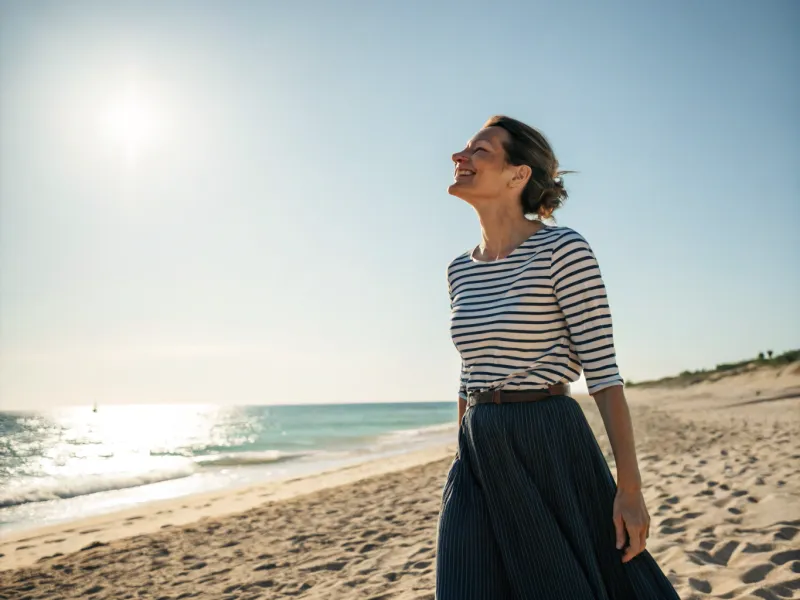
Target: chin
{"x": 457, "y": 189}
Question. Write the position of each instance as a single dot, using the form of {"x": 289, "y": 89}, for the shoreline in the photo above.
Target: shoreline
{"x": 119, "y": 475}
{"x": 21, "y": 548}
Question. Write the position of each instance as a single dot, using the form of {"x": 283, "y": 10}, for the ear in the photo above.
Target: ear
{"x": 522, "y": 174}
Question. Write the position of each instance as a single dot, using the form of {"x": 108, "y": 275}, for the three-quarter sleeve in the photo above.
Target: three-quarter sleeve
{"x": 581, "y": 295}
{"x": 462, "y": 387}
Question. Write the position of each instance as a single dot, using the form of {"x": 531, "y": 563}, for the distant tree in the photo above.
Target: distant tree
{"x": 769, "y": 353}
{"x": 760, "y": 356}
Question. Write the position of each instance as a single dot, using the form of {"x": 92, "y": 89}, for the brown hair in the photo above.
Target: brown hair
{"x": 545, "y": 191}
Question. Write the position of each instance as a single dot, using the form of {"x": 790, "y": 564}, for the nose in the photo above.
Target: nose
{"x": 459, "y": 157}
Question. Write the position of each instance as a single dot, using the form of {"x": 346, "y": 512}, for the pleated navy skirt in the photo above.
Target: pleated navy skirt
{"x": 527, "y": 512}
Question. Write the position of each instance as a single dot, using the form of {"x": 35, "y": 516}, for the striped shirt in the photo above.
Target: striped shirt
{"x": 534, "y": 318}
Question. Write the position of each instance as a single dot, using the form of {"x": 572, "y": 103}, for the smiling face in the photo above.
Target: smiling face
{"x": 482, "y": 171}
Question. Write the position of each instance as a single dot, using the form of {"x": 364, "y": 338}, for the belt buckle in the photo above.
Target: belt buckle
{"x": 496, "y": 396}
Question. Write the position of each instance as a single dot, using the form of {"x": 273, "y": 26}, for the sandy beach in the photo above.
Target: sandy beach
{"x": 719, "y": 462}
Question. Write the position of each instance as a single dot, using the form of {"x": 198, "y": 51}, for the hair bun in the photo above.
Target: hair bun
{"x": 545, "y": 192}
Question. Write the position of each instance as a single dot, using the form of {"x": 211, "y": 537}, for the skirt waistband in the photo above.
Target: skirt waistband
{"x": 498, "y": 396}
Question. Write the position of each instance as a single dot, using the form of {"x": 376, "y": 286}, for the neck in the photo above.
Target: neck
{"x": 503, "y": 231}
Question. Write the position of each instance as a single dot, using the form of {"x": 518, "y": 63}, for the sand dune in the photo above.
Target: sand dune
{"x": 719, "y": 461}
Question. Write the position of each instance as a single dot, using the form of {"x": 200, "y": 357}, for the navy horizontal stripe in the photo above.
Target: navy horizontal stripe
{"x": 480, "y": 344}
{"x": 467, "y": 332}
{"x": 592, "y": 288}
{"x": 537, "y": 317}
{"x": 502, "y": 322}
{"x": 501, "y": 306}
{"x": 481, "y": 287}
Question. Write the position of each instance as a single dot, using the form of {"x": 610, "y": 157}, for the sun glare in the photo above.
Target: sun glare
{"x": 131, "y": 122}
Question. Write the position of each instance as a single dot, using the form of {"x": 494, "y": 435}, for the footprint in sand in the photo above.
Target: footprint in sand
{"x": 758, "y": 548}
{"x": 757, "y": 574}
{"x": 700, "y": 585}
{"x": 672, "y": 530}
{"x": 51, "y": 557}
{"x": 786, "y": 533}
{"x": 781, "y": 558}
{"x": 707, "y": 544}
{"x": 369, "y": 533}
{"x": 336, "y": 565}
{"x": 723, "y": 555}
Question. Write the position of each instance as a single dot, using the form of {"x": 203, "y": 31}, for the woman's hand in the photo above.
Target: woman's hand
{"x": 630, "y": 514}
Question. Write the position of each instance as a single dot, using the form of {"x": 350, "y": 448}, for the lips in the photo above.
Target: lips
{"x": 464, "y": 173}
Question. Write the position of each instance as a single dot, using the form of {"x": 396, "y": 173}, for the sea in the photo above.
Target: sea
{"x": 76, "y": 462}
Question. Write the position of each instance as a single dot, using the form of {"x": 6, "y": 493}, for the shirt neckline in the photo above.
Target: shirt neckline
{"x": 510, "y": 254}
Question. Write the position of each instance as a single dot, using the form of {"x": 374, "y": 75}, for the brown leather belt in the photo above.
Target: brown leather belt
{"x": 506, "y": 397}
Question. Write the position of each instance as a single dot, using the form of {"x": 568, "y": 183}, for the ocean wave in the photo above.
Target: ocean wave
{"x": 416, "y": 438}
{"x": 42, "y": 490}
{"x": 238, "y": 459}
{"x": 417, "y": 434}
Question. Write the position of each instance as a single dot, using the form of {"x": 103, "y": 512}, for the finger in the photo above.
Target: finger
{"x": 620, "y": 528}
{"x": 634, "y": 547}
{"x": 631, "y": 551}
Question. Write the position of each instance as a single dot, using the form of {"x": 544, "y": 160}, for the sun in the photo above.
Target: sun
{"x": 131, "y": 122}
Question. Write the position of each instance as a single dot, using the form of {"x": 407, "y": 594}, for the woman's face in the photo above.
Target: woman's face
{"x": 481, "y": 170}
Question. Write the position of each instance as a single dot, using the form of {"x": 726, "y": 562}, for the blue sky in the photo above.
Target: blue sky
{"x": 245, "y": 202}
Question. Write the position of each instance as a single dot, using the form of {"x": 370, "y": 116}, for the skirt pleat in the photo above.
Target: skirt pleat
{"x": 527, "y": 512}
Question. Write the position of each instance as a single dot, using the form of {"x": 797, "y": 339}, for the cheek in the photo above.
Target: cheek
{"x": 490, "y": 172}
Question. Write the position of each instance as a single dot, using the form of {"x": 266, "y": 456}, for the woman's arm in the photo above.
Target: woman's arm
{"x": 630, "y": 512}
{"x": 617, "y": 419}
{"x": 462, "y": 408}
{"x": 581, "y": 294}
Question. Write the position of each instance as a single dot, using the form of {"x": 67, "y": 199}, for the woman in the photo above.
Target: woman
{"x": 530, "y": 509}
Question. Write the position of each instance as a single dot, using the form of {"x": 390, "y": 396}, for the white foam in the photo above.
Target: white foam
{"x": 43, "y": 489}
{"x": 235, "y": 459}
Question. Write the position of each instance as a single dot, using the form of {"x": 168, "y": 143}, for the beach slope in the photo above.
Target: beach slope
{"x": 719, "y": 462}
